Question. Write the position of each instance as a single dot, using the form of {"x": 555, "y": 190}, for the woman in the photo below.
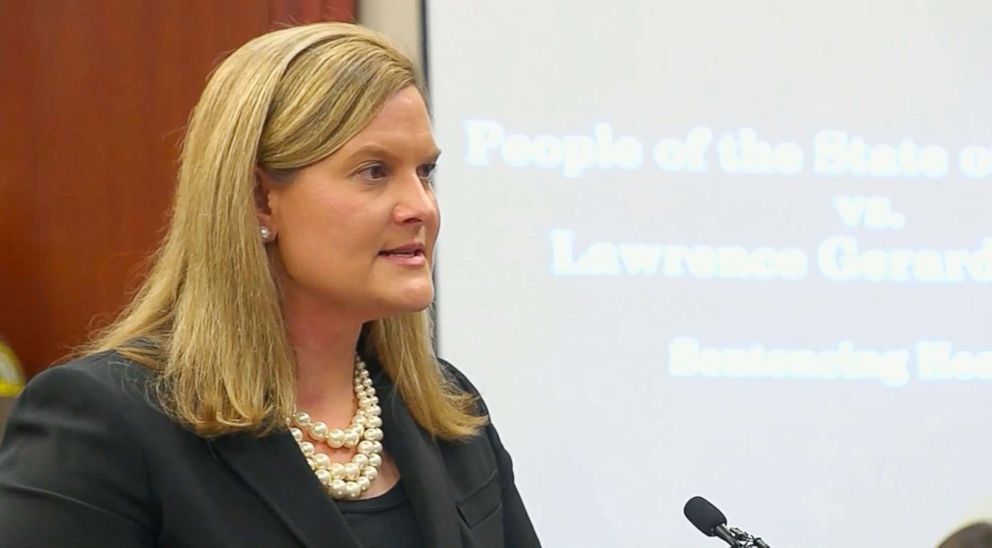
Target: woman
{"x": 272, "y": 383}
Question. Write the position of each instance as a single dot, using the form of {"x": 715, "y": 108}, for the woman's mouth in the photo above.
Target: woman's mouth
{"x": 407, "y": 255}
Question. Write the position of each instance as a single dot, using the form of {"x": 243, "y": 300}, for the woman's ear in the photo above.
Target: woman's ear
{"x": 263, "y": 201}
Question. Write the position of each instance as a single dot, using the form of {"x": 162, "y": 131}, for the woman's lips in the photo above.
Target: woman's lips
{"x": 405, "y": 258}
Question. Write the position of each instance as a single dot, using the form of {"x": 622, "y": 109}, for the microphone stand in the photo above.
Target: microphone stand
{"x": 743, "y": 539}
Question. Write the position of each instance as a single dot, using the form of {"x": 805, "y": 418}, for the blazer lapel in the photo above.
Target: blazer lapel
{"x": 421, "y": 469}
{"x": 276, "y": 470}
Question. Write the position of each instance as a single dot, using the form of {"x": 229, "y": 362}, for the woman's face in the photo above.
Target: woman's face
{"x": 355, "y": 231}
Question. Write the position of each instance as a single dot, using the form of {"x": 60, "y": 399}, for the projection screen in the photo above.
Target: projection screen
{"x": 737, "y": 249}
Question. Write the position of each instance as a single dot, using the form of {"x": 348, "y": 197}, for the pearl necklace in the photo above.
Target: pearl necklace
{"x": 345, "y": 480}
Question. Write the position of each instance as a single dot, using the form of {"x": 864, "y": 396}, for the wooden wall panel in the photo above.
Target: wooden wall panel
{"x": 94, "y": 95}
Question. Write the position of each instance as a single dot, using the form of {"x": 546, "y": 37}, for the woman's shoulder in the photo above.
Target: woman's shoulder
{"x": 460, "y": 380}
{"x": 73, "y": 451}
{"x": 455, "y": 375}
{"x": 101, "y": 379}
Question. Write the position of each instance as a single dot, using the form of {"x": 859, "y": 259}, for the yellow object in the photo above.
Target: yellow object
{"x": 11, "y": 374}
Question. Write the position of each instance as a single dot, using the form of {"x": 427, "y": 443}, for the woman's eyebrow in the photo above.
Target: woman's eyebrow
{"x": 380, "y": 151}
{"x": 369, "y": 150}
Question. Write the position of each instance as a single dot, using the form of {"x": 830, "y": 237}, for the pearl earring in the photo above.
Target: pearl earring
{"x": 265, "y": 233}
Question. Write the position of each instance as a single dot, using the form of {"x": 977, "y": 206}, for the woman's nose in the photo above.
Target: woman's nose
{"x": 415, "y": 202}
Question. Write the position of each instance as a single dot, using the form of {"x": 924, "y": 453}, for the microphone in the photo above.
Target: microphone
{"x": 711, "y": 521}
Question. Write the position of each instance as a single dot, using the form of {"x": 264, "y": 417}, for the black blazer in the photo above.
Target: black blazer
{"x": 89, "y": 460}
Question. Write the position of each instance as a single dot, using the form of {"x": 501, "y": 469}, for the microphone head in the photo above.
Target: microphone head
{"x": 704, "y": 515}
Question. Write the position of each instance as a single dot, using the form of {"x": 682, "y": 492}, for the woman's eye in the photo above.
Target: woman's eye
{"x": 375, "y": 172}
{"x": 426, "y": 171}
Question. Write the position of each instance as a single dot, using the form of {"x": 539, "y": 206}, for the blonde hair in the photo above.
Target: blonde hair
{"x": 208, "y": 316}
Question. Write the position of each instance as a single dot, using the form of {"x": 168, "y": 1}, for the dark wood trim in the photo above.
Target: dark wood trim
{"x": 95, "y": 98}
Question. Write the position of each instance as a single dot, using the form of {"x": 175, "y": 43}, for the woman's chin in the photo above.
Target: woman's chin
{"x": 413, "y": 300}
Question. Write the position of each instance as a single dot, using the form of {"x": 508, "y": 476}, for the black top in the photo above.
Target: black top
{"x": 386, "y": 521}
{"x": 89, "y": 460}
